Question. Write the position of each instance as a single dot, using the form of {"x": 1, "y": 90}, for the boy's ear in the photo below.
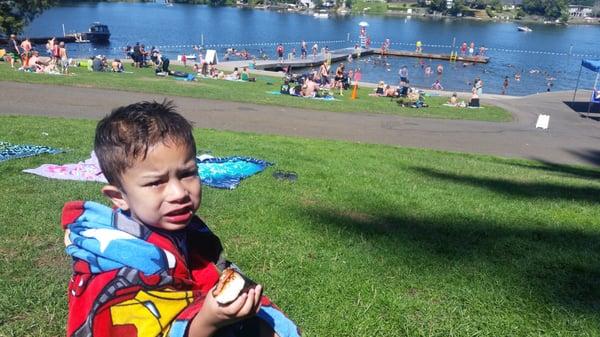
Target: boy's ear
{"x": 116, "y": 196}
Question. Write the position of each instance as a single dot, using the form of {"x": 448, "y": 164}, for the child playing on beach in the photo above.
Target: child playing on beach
{"x": 148, "y": 267}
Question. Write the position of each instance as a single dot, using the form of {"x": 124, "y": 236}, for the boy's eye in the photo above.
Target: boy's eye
{"x": 153, "y": 183}
{"x": 190, "y": 173}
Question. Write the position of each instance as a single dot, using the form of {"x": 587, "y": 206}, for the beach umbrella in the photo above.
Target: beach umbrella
{"x": 363, "y": 24}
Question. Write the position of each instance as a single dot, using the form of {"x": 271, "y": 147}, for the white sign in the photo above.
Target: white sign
{"x": 211, "y": 56}
{"x": 542, "y": 121}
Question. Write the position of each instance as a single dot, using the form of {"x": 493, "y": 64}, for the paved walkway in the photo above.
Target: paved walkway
{"x": 570, "y": 138}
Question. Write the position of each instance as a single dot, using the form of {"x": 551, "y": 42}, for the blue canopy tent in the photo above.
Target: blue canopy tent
{"x": 593, "y": 65}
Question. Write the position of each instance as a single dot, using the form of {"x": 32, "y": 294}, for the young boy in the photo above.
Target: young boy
{"x": 148, "y": 267}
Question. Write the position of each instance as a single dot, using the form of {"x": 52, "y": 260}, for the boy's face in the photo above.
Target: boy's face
{"x": 163, "y": 190}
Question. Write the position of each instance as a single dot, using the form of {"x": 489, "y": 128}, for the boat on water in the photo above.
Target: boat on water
{"x": 524, "y": 29}
{"x": 322, "y": 14}
{"x": 97, "y": 33}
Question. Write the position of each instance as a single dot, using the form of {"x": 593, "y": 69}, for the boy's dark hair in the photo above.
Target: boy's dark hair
{"x": 126, "y": 134}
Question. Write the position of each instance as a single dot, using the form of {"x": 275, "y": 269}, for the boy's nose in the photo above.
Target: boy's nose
{"x": 176, "y": 191}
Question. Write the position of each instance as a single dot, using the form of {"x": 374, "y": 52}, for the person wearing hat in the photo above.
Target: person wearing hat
{"x": 12, "y": 51}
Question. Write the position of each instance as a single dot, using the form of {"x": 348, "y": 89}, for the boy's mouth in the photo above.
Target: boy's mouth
{"x": 179, "y": 216}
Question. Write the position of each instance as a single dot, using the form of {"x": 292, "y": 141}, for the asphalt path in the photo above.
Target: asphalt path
{"x": 570, "y": 139}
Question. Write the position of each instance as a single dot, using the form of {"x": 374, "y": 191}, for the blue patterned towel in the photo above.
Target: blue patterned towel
{"x": 11, "y": 151}
{"x": 227, "y": 172}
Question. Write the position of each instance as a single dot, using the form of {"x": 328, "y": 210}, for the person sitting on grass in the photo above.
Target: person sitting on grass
{"x": 310, "y": 87}
{"x": 35, "y": 63}
{"x": 117, "y": 66}
{"x": 234, "y": 76}
{"x": 245, "y": 75}
{"x": 390, "y": 91}
{"x": 379, "y": 90}
{"x": 98, "y": 64}
{"x": 149, "y": 266}
{"x": 453, "y": 99}
{"x": 474, "y": 102}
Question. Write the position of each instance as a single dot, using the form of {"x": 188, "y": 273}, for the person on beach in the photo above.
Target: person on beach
{"x": 25, "y": 51}
{"x": 64, "y": 59}
{"x": 117, "y": 66}
{"x": 149, "y": 265}
{"x": 453, "y": 99}
{"x": 505, "y": 85}
{"x": 279, "y": 51}
{"x": 12, "y": 51}
{"x": 49, "y": 46}
{"x": 184, "y": 60}
{"x": 324, "y": 74}
{"x": 35, "y": 64}
{"x": 390, "y": 91}
{"x": 315, "y": 50}
{"x": 339, "y": 78}
{"x": 478, "y": 84}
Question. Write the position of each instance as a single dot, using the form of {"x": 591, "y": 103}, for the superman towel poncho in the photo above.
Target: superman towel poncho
{"x": 130, "y": 281}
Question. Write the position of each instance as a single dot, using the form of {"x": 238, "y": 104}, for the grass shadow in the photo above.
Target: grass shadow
{"x": 562, "y": 169}
{"x": 551, "y": 266}
{"x": 536, "y": 190}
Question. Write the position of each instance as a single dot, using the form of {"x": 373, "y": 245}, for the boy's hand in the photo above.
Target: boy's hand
{"x": 214, "y": 315}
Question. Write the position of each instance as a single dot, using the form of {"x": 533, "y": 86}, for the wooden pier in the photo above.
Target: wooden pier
{"x": 342, "y": 55}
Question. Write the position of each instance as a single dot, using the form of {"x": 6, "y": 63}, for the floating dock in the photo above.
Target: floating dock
{"x": 342, "y": 55}
{"x": 447, "y": 57}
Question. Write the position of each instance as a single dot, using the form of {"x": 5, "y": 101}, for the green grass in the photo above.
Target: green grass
{"x": 144, "y": 80}
{"x": 371, "y": 240}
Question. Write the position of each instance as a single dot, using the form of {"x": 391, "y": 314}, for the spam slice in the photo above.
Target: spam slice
{"x": 231, "y": 285}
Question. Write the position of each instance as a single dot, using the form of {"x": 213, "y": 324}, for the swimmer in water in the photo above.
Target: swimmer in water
{"x": 440, "y": 69}
{"x": 427, "y": 71}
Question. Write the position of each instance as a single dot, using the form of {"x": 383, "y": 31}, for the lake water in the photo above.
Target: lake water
{"x": 550, "y": 53}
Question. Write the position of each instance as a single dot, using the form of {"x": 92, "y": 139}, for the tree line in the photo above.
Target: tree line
{"x": 16, "y": 14}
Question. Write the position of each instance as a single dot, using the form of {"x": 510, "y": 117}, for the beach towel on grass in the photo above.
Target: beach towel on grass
{"x": 227, "y": 172}
{"x": 215, "y": 172}
{"x": 88, "y": 170}
{"x": 12, "y": 151}
{"x": 131, "y": 281}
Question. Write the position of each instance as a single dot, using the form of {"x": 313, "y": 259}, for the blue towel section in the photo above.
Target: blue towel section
{"x": 227, "y": 172}
{"x": 10, "y": 151}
